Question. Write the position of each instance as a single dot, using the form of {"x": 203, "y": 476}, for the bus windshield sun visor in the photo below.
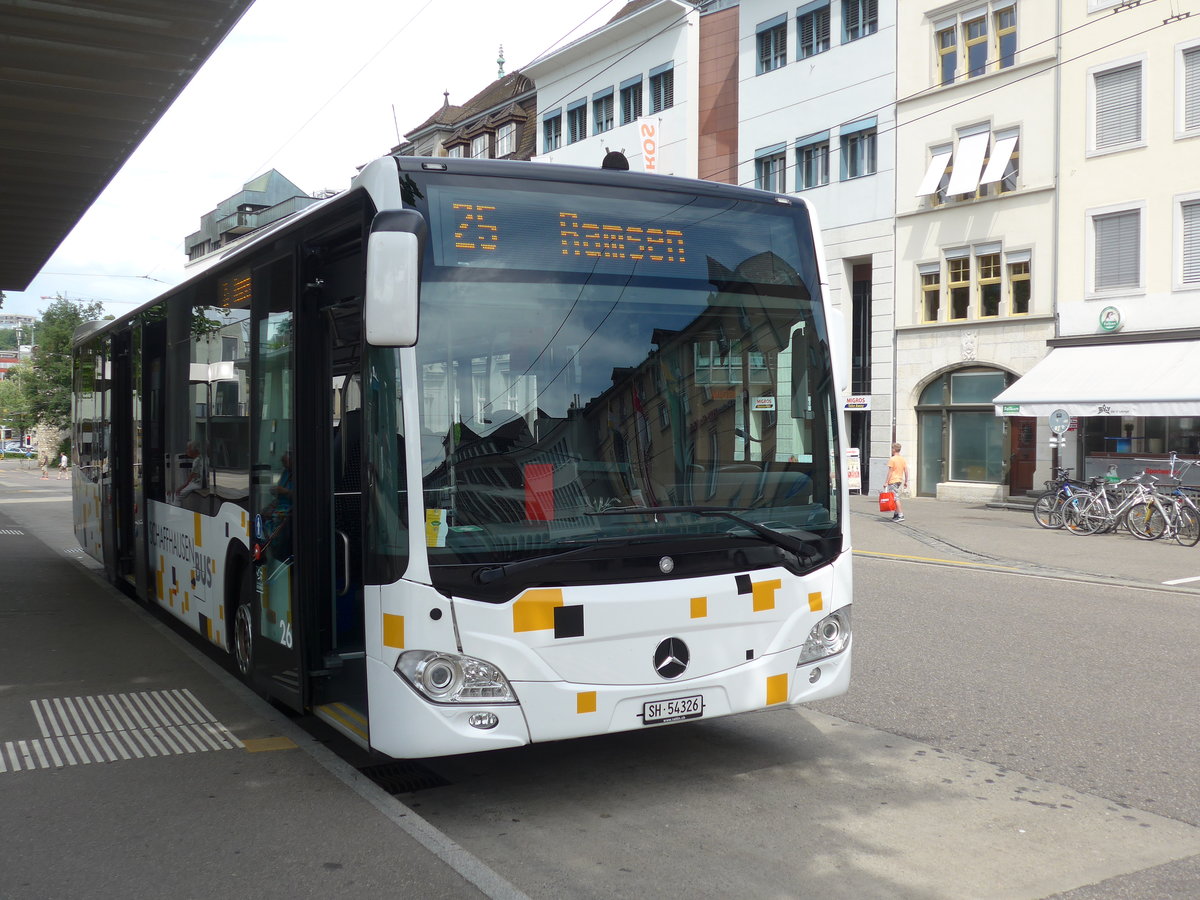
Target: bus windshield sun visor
{"x": 394, "y": 253}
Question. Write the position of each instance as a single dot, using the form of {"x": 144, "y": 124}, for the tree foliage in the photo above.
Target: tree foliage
{"x": 47, "y": 384}
{"x": 14, "y": 409}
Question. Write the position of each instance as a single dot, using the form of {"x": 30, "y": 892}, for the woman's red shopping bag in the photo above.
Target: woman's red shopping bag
{"x": 887, "y": 501}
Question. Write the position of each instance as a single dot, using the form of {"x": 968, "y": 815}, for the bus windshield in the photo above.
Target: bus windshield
{"x": 606, "y": 372}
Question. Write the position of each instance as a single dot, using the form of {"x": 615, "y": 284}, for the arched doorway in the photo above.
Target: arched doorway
{"x": 960, "y": 436}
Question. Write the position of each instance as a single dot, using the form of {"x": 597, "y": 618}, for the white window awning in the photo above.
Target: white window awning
{"x": 1001, "y": 154}
{"x": 1152, "y": 379}
{"x": 933, "y": 175}
{"x": 968, "y": 163}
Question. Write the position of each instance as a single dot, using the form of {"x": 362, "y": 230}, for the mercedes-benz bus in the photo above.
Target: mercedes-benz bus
{"x": 481, "y": 453}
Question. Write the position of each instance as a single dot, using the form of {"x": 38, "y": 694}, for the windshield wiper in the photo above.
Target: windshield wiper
{"x": 788, "y": 542}
{"x": 488, "y": 574}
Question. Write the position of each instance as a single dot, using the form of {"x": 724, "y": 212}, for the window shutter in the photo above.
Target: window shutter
{"x": 1119, "y": 107}
{"x": 1191, "y": 242}
{"x": 1191, "y": 89}
{"x": 1118, "y": 249}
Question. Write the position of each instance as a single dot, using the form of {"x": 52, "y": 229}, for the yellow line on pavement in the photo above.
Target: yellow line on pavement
{"x": 933, "y": 559}
{"x": 262, "y": 745}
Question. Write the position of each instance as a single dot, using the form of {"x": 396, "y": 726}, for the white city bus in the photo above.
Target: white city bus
{"x": 482, "y": 453}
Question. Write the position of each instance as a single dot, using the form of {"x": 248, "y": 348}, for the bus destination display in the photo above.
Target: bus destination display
{"x": 482, "y": 228}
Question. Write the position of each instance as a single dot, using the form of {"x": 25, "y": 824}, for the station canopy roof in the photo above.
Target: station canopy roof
{"x": 1160, "y": 378}
{"x": 82, "y": 82}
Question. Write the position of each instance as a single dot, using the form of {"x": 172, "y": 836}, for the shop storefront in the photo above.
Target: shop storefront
{"x": 1132, "y": 403}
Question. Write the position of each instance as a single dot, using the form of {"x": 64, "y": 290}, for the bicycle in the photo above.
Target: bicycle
{"x": 1177, "y": 516}
{"x": 1097, "y": 512}
{"x": 1047, "y": 509}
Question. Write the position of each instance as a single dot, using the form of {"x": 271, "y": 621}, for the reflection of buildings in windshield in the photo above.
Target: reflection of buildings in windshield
{"x": 726, "y": 411}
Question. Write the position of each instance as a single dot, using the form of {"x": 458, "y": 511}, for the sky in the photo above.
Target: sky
{"x": 311, "y": 88}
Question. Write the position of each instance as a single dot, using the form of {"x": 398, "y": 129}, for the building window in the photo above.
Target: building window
{"x": 958, "y": 405}
{"x": 1117, "y": 112}
{"x": 812, "y": 28}
{"x": 931, "y": 293}
{"x": 506, "y": 140}
{"x": 455, "y": 151}
{"x": 975, "y": 37}
{"x": 1189, "y": 254}
{"x": 859, "y": 19}
{"x": 988, "y": 267}
{"x": 552, "y": 132}
{"x": 1189, "y": 91}
{"x": 769, "y": 169}
{"x": 1018, "y": 287}
{"x": 577, "y": 122}
{"x": 947, "y": 48}
{"x": 602, "y": 113}
{"x": 662, "y": 90}
{"x": 479, "y": 147}
{"x": 1117, "y": 239}
{"x": 812, "y": 163}
{"x": 988, "y": 36}
{"x": 858, "y": 153}
{"x": 772, "y": 45}
{"x": 959, "y": 286}
{"x": 631, "y": 101}
{"x": 1006, "y": 36}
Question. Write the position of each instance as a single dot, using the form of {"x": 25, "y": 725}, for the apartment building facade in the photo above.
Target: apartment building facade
{"x": 817, "y": 119}
{"x": 975, "y": 236}
{"x": 1123, "y": 362}
{"x": 631, "y": 87}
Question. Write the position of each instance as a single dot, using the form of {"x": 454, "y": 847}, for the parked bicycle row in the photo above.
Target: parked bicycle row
{"x": 1143, "y": 506}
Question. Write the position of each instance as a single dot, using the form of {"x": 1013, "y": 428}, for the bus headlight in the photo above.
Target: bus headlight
{"x": 451, "y": 678}
{"x": 830, "y": 636}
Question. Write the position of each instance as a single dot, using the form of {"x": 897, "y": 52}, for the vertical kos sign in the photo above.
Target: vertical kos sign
{"x": 649, "y": 141}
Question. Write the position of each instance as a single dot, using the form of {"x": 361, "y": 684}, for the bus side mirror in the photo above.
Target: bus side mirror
{"x": 839, "y": 353}
{"x": 392, "y": 302}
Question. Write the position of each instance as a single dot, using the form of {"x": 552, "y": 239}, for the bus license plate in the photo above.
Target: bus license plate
{"x": 656, "y": 712}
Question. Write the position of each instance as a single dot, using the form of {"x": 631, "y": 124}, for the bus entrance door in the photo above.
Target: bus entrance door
{"x": 278, "y": 465}
{"x": 340, "y": 679}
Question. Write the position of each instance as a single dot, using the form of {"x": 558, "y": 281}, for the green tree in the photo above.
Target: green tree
{"x": 8, "y": 339}
{"x": 47, "y": 386}
{"x": 14, "y": 410}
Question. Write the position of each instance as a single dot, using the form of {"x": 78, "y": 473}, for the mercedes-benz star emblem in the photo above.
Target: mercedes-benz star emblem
{"x": 671, "y": 658}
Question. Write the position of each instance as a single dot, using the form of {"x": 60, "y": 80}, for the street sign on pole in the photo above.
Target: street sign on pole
{"x": 1060, "y": 421}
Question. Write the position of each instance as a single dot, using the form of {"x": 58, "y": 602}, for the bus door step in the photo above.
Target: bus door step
{"x": 347, "y": 720}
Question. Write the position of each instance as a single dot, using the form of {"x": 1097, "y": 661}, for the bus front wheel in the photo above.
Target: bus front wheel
{"x": 243, "y": 625}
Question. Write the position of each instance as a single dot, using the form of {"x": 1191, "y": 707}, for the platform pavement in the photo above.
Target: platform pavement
{"x": 133, "y": 766}
{"x": 258, "y": 806}
{"x": 975, "y": 534}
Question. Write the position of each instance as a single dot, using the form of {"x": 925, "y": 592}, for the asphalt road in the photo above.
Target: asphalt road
{"x": 1012, "y": 730}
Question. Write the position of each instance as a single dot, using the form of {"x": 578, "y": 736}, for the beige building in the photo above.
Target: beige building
{"x": 975, "y": 237}
{"x": 1122, "y": 362}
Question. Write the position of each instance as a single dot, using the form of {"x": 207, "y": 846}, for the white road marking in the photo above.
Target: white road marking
{"x": 116, "y": 727}
{"x": 1183, "y": 580}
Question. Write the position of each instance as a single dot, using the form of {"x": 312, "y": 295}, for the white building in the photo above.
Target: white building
{"x": 817, "y": 118}
{"x": 1123, "y": 362}
{"x": 975, "y": 237}
{"x": 631, "y": 86}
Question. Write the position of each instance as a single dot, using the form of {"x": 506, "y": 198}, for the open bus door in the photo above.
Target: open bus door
{"x": 117, "y": 475}
{"x": 306, "y": 490}
{"x": 275, "y": 457}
